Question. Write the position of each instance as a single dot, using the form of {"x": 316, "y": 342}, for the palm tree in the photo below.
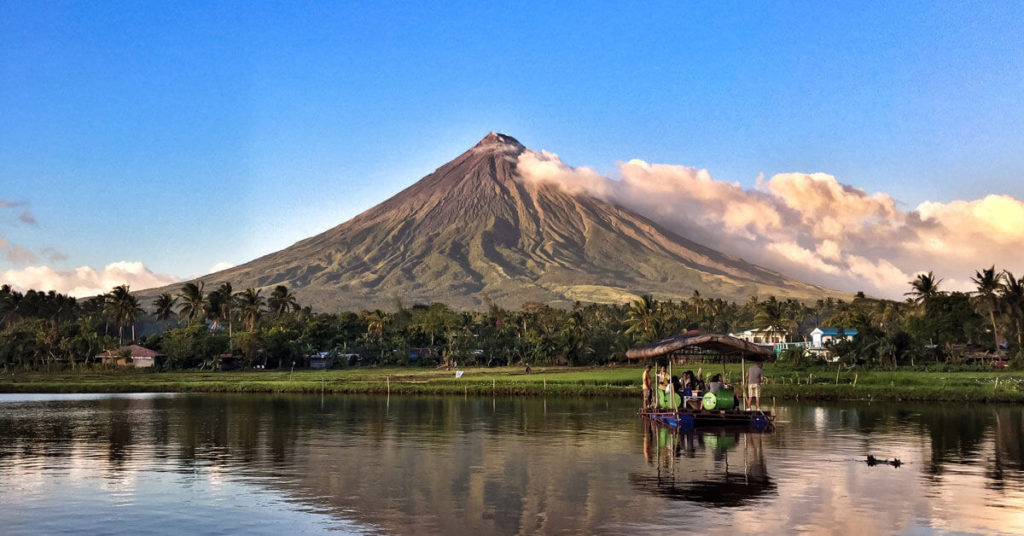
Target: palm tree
{"x": 989, "y": 283}
{"x": 219, "y": 306}
{"x": 250, "y": 307}
{"x": 164, "y": 304}
{"x": 575, "y": 332}
{"x": 696, "y": 301}
{"x": 9, "y": 299}
{"x": 1012, "y": 295}
{"x": 192, "y": 301}
{"x": 923, "y": 288}
{"x": 282, "y": 300}
{"x": 769, "y": 314}
{"x": 642, "y": 318}
{"x": 131, "y": 311}
{"x": 375, "y": 322}
{"x": 122, "y": 307}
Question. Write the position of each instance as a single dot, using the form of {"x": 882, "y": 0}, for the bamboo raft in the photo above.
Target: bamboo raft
{"x": 688, "y": 419}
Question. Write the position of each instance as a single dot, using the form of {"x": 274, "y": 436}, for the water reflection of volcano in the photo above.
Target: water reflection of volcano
{"x": 717, "y": 467}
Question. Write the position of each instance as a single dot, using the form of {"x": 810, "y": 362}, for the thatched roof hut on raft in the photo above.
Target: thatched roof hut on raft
{"x": 702, "y": 345}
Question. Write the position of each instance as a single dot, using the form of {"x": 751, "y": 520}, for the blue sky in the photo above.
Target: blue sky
{"x": 183, "y": 134}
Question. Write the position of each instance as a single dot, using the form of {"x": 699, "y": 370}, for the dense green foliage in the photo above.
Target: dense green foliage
{"x": 196, "y": 327}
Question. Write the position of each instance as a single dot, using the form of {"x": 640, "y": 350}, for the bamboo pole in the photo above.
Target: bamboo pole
{"x": 743, "y": 381}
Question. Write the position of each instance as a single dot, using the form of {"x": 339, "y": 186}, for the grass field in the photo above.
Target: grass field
{"x": 604, "y": 381}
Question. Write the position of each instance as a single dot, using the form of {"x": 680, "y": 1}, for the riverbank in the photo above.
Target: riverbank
{"x": 504, "y": 381}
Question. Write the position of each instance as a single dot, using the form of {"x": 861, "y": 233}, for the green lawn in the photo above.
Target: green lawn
{"x": 555, "y": 381}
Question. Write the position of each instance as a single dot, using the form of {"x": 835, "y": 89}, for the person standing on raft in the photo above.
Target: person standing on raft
{"x": 755, "y": 375}
{"x": 648, "y": 388}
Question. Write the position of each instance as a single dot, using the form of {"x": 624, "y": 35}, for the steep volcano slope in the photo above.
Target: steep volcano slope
{"x": 474, "y": 231}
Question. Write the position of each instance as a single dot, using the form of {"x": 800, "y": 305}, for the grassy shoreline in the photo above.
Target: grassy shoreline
{"x": 602, "y": 381}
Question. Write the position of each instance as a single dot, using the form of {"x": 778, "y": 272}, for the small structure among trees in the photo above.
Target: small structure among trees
{"x": 769, "y": 336}
{"x": 132, "y": 355}
{"x": 822, "y": 337}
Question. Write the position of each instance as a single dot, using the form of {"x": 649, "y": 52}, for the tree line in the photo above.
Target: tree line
{"x": 195, "y": 326}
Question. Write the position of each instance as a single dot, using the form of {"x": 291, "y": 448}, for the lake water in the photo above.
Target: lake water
{"x": 227, "y": 464}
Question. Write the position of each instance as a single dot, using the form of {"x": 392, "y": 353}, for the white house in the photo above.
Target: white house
{"x": 821, "y": 337}
{"x": 768, "y": 336}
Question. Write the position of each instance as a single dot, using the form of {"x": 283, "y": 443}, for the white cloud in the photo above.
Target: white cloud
{"x": 85, "y": 280}
{"x": 810, "y": 225}
{"x": 800, "y": 255}
{"x": 882, "y": 274}
{"x": 220, "y": 266}
{"x": 545, "y": 167}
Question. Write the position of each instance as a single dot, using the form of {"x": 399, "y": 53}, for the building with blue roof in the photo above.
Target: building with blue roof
{"x": 821, "y": 337}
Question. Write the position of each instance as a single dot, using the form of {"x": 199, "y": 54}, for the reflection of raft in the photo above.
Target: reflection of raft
{"x": 729, "y": 489}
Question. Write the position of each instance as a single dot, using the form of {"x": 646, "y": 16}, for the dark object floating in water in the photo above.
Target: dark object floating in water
{"x": 873, "y": 461}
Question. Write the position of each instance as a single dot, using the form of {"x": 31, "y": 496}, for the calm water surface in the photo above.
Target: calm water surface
{"x": 225, "y": 464}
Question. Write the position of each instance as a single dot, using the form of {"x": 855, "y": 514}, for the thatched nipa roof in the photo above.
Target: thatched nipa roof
{"x": 704, "y": 342}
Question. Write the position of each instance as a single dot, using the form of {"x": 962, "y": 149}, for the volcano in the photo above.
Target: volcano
{"x": 474, "y": 232}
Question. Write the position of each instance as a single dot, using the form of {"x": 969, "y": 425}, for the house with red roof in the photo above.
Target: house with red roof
{"x": 132, "y": 355}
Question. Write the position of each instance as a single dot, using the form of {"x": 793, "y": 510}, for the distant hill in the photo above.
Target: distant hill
{"x": 474, "y": 232}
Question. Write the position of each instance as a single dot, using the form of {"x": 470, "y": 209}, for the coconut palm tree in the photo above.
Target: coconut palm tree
{"x": 250, "y": 307}
{"x": 696, "y": 301}
{"x": 923, "y": 288}
{"x": 164, "y": 304}
{"x": 576, "y": 333}
{"x": 192, "y": 301}
{"x": 282, "y": 300}
{"x": 132, "y": 310}
{"x": 642, "y": 318}
{"x": 1012, "y": 296}
{"x": 989, "y": 283}
{"x": 218, "y": 306}
{"x": 769, "y": 314}
{"x": 9, "y": 299}
{"x": 123, "y": 308}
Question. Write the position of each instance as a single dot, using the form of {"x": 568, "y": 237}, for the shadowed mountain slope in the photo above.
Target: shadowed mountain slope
{"x": 474, "y": 231}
